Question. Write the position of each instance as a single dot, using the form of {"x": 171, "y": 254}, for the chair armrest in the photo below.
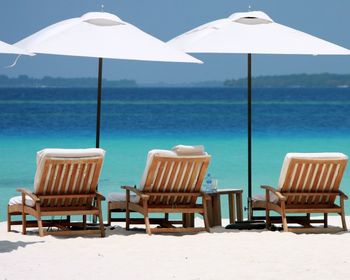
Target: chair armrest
{"x": 274, "y": 191}
{"x": 343, "y": 195}
{"x": 205, "y": 196}
{"x": 99, "y": 195}
{"x": 29, "y": 193}
{"x": 136, "y": 191}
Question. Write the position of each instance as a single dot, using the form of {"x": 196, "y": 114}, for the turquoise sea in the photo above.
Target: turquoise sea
{"x": 135, "y": 120}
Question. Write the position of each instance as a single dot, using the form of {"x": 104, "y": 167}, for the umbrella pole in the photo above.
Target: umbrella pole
{"x": 99, "y": 96}
{"x": 250, "y": 223}
{"x": 98, "y": 115}
{"x": 249, "y": 79}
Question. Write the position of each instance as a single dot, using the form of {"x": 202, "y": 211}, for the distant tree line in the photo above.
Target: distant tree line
{"x": 295, "y": 80}
{"x": 25, "y": 81}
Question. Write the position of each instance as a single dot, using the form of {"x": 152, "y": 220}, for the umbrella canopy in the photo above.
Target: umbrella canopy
{"x": 255, "y": 33}
{"x": 10, "y": 49}
{"x": 101, "y": 35}
{"x": 252, "y": 33}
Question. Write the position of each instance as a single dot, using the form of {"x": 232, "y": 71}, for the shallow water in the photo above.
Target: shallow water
{"x": 136, "y": 120}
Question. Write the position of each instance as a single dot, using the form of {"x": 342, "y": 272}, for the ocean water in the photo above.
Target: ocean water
{"x": 135, "y": 120}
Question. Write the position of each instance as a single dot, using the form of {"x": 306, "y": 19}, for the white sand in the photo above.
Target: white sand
{"x": 222, "y": 254}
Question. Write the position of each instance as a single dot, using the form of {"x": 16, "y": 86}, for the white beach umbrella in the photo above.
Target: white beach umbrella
{"x": 252, "y": 33}
{"x": 101, "y": 35}
{"x": 11, "y": 49}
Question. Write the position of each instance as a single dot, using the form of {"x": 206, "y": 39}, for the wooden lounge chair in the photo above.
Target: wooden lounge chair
{"x": 309, "y": 183}
{"x": 65, "y": 184}
{"x": 170, "y": 184}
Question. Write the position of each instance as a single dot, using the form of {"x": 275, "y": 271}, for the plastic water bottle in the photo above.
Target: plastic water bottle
{"x": 208, "y": 182}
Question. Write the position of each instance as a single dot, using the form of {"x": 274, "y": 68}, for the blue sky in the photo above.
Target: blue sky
{"x": 166, "y": 19}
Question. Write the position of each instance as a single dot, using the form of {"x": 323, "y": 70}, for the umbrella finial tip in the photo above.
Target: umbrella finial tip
{"x": 249, "y": 8}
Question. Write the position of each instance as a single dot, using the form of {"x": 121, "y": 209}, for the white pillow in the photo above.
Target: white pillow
{"x": 183, "y": 150}
{"x": 121, "y": 197}
{"x": 17, "y": 200}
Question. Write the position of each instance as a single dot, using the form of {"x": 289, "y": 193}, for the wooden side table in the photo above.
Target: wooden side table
{"x": 234, "y": 205}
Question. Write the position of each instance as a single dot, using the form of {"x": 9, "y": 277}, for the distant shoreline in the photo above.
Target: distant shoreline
{"x": 323, "y": 80}
{"x": 166, "y": 87}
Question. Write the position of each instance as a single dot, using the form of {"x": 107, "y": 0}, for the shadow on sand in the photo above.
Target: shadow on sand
{"x": 118, "y": 230}
{"x": 8, "y": 246}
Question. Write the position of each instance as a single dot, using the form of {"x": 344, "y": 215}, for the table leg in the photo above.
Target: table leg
{"x": 210, "y": 211}
{"x": 216, "y": 210}
{"x": 239, "y": 207}
{"x": 231, "y": 207}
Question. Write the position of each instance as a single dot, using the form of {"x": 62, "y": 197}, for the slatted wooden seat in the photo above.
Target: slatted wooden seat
{"x": 65, "y": 184}
{"x": 172, "y": 185}
{"x": 309, "y": 183}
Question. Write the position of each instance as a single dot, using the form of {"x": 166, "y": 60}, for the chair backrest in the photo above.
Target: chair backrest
{"x": 169, "y": 173}
{"x": 67, "y": 172}
{"x": 312, "y": 173}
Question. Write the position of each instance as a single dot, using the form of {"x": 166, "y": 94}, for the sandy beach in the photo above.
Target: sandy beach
{"x": 221, "y": 254}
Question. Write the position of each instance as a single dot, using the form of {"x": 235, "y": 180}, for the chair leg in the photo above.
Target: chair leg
{"x": 191, "y": 219}
{"x": 284, "y": 217}
{"x": 127, "y": 211}
{"x": 342, "y": 214}
{"x": 267, "y": 209}
{"x": 184, "y": 220}
{"x": 127, "y": 219}
{"x": 8, "y": 219}
{"x": 268, "y": 220}
{"x": 102, "y": 227}
{"x": 308, "y": 217}
{"x": 284, "y": 222}
{"x": 38, "y": 217}
{"x": 145, "y": 214}
{"x": 325, "y": 220}
{"x": 147, "y": 224}
{"x": 109, "y": 213}
{"x": 343, "y": 221}
{"x": 24, "y": 217}
{"x": 100, "y": 218}
{"x": 188, "y": 220}
{"x": 205, "y": 216}
{"x": 40, "y": 226}
{"x": 24, "y": 224}
{"x": 84, "y": 222}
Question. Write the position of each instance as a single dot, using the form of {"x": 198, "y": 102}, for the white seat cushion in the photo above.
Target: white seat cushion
{"x": 316, "y": 156}
{"x": 17, "y": 200}
{"x": 261, "y": 197}
{"x": 121, "y": 197}
{"x": 42, "y": 155}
